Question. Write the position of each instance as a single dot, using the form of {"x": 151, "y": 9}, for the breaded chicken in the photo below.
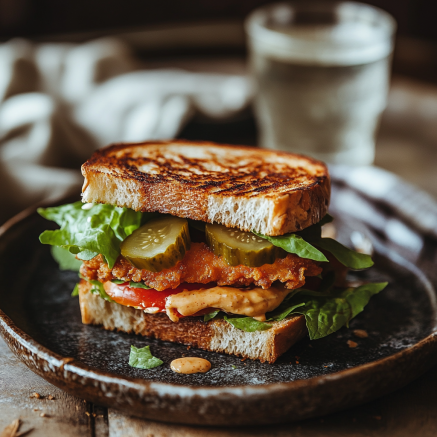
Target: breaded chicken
{"x": 200, "y": 265}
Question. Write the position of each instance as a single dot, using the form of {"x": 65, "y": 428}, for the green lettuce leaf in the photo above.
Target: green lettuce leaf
{"x": 348, "y": 257}
{"x": 86, "y": 255}
{"x": 88, "y": 232}
{"x": 210, "y": 316}
{"x": 75, "y": 291}
{"x": 142, "y": 358}
{"x": 98, "y": 288}
{"x": 327, "y": 218}
{"x": 293, "y": 243}
{"x": 247, "y": 324}
{"x": 65, "y": 259}
{"x": 327, "y": 312}
{"x": 117, "y": 281}
{"x": 139, "y": 285}
{"x": 303, "y": 244}
{"x": 284, "y": 311}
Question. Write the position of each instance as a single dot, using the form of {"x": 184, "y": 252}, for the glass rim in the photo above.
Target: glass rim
{"x": 342, "y": 52}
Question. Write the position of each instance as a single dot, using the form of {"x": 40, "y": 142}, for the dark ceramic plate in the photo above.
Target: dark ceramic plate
{"x": 41, "y": 324}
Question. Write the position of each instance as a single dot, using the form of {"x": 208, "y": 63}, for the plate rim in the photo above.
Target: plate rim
{"x": 53, "y": 366}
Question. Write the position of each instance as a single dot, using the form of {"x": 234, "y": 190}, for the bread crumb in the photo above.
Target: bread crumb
{"x": 244, "y": 359}
{"x": 329, "y": 231}
{"x": 36, "y": 409}
{"x": 12, "y": 428}
{"x": 50, "y": 397}
{"x": 35, "y": 395}
{"x": 352, "y": 344}
{"x": 188, "y": 348}
{"x": 44, "y": 415}
{"x": 361, "y": 333}
{"x": 65, "y": 361}
{"x": 297, "y": 362}
{"x": 88, "y": 414}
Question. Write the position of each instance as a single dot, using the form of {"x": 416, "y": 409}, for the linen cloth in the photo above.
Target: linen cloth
{"x": 60, "y": 102}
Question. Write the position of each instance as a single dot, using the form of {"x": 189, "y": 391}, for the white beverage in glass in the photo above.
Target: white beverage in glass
{"x": 322, "y": 76}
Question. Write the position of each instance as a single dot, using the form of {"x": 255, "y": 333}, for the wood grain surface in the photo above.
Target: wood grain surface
{"x": 407, "y": 412}
{"x": 64, "y": 415}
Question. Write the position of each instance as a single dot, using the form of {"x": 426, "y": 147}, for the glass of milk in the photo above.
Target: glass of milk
{"x": 322, "y": 76}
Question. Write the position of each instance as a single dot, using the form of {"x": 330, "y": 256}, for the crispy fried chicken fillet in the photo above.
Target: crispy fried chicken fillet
{"x": 200, "y": 265}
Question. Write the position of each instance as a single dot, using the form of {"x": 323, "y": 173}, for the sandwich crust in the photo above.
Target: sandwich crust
{"x": 268, "y": 191}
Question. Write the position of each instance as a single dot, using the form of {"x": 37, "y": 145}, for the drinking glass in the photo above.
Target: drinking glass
{"x": 322, "y": 76}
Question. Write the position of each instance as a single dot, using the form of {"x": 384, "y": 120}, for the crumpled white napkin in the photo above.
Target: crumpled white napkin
{"x": 389, "y": 205}
{"x": 60, "y": 102}
{"x": 405, "y": 201}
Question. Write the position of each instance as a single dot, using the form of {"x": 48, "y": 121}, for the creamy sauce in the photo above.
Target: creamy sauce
{"x": 190, "y": 365}
{"x": 253, "y": 303}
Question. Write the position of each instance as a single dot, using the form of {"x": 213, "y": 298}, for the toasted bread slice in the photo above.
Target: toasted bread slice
{"x": 215, "y": 335}
{"x": 267, "y": 191}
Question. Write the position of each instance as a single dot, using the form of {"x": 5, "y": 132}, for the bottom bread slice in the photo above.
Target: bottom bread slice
{"x": 215, "y": 335}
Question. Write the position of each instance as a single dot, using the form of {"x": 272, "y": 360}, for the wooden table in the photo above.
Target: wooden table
{"x": 405, "y": 413}
{"x": 407, "y": 145}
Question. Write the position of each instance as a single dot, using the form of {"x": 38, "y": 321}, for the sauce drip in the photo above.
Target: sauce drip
{"x": 190, "y": 365}
{"x": 254, "y": 302}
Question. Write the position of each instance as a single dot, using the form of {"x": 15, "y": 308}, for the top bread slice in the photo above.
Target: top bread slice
{"x": 249, "y": 188}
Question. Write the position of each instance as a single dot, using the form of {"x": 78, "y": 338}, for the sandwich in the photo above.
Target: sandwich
{"x": 212, "y": 246}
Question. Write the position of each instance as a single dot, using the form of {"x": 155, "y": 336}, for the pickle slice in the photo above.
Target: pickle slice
{"x": 157, "y": 245}
{"x": 239, "y": 247}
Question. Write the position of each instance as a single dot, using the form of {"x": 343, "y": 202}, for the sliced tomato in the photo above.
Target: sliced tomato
{"x": 126, "y": 295}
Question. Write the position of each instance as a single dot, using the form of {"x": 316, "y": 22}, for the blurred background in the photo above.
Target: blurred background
{"x": 77, "y": 75}
{"x": 198, "y": 27}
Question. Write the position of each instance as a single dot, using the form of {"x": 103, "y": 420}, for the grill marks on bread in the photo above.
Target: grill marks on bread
{"x": 200, "y": 265}
{"x": 245, "y": 187}
{"x": 217, "y": 174}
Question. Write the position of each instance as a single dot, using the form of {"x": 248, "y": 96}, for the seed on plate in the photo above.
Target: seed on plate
{"x": 361, "y": 333}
